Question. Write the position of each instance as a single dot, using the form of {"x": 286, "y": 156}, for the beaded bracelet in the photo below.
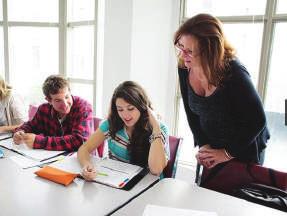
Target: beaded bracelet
{"x": 153, "y": 137}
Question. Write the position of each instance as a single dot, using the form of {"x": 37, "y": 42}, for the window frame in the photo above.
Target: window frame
{"x": 62, "y": 26}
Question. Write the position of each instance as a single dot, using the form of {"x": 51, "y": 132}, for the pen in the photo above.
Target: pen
{"x": 47, "y": 162}
{"x": 123, "y": 183}
{"x": 52, "y": 157}
{"x": 102, "y": 174}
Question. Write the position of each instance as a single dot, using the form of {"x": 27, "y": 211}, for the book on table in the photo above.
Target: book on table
{"x": 109, "y": 172}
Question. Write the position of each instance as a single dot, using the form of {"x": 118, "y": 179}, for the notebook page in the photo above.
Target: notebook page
{"x": 35, "y": 154}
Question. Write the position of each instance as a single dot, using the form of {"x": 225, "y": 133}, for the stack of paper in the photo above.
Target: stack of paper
{"x": 110, "y": 172}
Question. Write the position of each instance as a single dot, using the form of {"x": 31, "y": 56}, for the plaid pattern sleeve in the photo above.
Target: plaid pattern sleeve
{"x": 33, "y": 125}
{"x": 66, "y": 136}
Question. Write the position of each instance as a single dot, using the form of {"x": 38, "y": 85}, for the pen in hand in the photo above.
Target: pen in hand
{"x": 89, "y": 172}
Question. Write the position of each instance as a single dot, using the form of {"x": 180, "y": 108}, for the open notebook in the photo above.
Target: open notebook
{"x": 34, "y": 154}
{"x": 110, "y": 172}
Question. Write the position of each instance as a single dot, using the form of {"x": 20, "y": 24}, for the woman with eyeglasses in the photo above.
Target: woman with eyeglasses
{"x": 223, "y": 109}
{"x": 132, "y": 131}
{"x": 12, "y": 108}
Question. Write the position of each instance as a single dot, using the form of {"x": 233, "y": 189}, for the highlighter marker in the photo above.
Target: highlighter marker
{"x": 102, "y": 174}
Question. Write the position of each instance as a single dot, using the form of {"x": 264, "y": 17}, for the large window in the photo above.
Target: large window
{"x": 48, "y": 37}
{"x": 225, "y": 7}
{"x": 247, "y": 38}
{"x": 1, "y": 44}
{"x": 33, "y": 10}
{"x": 81, "y": 47}
{"x": 258, "y": 31}
{"x": 33, "y": 54}
{"x": 1, "y": 53}
{"x": 276, "y": 84}
{"x": 276, "y": 93}
{"x": 1, "y": 11}
{"x": 80, "y": 10}
{"x": 281, "y": 7}
{"x": 80, "y": 52}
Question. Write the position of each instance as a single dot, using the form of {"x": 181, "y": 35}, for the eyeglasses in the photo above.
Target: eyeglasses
{"x": 189, "y": 53}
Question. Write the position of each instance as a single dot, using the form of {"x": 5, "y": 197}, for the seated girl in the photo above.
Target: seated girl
{"x": 12, "y": 108}
{"x": 132, "y": 131}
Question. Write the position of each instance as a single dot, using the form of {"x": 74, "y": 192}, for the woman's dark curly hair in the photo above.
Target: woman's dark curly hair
{"x": 139, "y": 145}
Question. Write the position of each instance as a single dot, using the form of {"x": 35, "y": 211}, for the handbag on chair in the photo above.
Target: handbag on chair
{"x": 264, "y": 195}
{"x": 231, "y": 176}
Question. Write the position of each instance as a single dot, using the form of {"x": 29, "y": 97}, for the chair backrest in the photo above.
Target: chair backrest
{"x": 32, "y": 111}
{"x": 100, "y": 149}
{"x": 174, "y": 146}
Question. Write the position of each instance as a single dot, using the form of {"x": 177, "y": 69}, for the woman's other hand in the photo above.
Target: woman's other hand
{"x": 210, "y": 157}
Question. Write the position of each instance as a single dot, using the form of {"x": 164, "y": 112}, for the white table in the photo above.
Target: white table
{"x": 23, "y": 193}
{"x": 179, "y": 194}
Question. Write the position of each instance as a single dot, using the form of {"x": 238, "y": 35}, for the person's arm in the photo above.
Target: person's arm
{"x": 18, "y": 110}
{"x": 200, "y": 138}
{"x": 81, "y": 130}
{"x": 84, "y": 152}
{"x": 248, "y": 113}
{"x": 157, "y": 159}
{"x": 8, "y": 128}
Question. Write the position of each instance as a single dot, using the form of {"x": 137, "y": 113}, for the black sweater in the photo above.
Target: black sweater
{"x": 232, "y": 117}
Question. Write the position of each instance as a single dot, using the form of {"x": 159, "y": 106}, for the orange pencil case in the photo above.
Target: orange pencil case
{"x": 56, "y": 175}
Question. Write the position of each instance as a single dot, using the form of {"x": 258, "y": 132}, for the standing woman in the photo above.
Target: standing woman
{"x": 223, "y": 109}
{"x": 12, "y": 108}
{"x": 132, "y": 131}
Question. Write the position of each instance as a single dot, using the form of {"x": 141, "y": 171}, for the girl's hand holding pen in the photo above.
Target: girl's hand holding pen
{"x": 89, "y": 172}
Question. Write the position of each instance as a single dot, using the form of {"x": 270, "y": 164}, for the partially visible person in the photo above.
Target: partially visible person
{"x": 12, "y": 108}
{"x": 133, "y": 133}
{"x": 224, "y": 111}
{"x": 64, "y": 123}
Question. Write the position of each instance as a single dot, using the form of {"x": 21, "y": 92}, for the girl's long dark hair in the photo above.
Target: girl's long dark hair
{"x": 135, "y": 95}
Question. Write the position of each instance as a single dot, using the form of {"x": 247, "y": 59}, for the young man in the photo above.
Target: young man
{"x": 64, "y": 123}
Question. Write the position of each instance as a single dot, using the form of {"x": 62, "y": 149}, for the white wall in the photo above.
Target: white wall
{"x": 138, "y": 46}
{"x": 117, "y": 47}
